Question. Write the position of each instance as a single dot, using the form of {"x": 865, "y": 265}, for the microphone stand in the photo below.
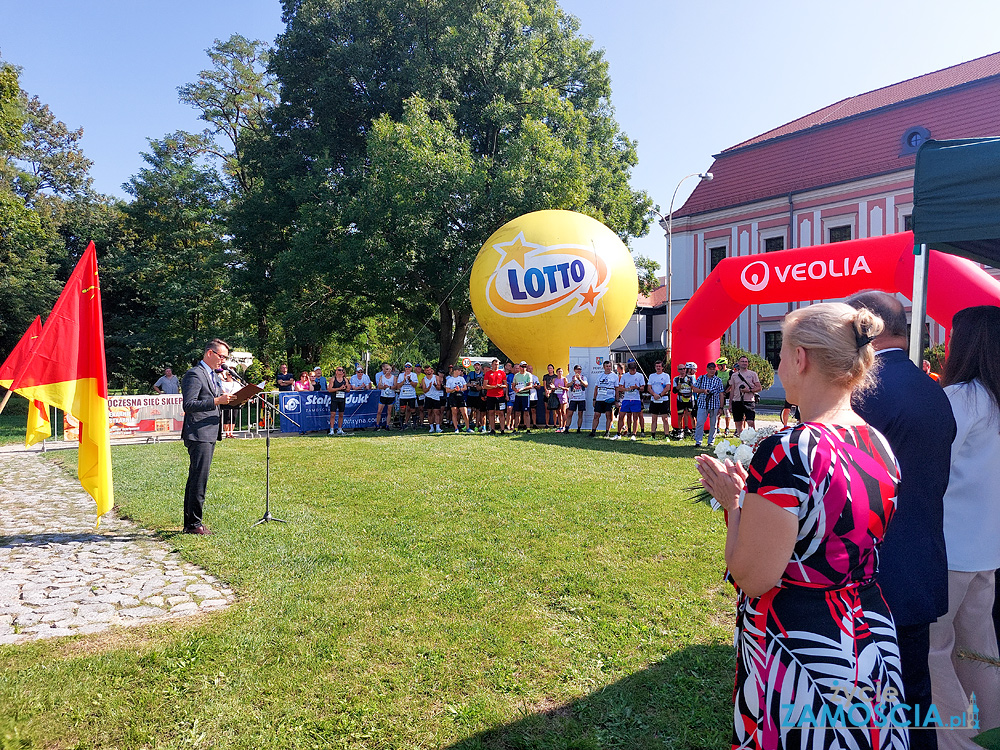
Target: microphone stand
{"x": 266, "y": 405}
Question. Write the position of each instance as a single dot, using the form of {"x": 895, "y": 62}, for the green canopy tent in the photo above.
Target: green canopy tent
{"x": 956, "y": 209}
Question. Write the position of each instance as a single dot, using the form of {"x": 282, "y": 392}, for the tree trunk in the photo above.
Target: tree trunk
{"x": 454, "y": 327}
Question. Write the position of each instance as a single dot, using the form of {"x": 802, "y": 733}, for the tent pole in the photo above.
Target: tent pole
{"x": 918, "y": 311}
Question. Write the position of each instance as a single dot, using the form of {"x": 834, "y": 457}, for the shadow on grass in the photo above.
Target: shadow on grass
{"x": 683, "y": 701}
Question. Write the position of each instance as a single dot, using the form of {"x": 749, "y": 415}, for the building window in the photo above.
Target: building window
{"x": 773, "y": 244}
{"x": 717, "y": 256}
{"x": 908, "y": 223}
{"x": 839, "y": 234}
{"x": 772, "y": 347}
{"x": 649, "y": 329}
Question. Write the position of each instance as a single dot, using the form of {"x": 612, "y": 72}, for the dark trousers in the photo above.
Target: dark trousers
{"x": 914, "y": 643}
{"x": 194, "y": 491}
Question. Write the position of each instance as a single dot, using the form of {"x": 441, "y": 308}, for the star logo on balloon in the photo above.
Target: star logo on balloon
{"x": 532, "y": 278}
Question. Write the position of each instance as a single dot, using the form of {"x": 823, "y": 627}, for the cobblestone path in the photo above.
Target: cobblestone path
{"x": 61, "y": 576}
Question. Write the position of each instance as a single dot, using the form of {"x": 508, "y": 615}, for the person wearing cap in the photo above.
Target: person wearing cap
{"x": 743, "y": 384}
{"x": 521, "y": 383}
{"x": 604, "y": 398}
{"x": 495, "y": 381}
{"x": 385, "y": 381}
{"x": 533, "y": 399}
{"x": 659, "y": 404}
{"x": 318, "y": 379}
{"x": 406, "y": 385}
{"x": 692, "y": 369}
{"x": 631, "y": 386}
{"x": 722, "y": 372}
{"x": 360, "y": 380}
{"x": 682, "y": 386}
{"x": 709, "y": 390}
{"x": 577, "y": 397}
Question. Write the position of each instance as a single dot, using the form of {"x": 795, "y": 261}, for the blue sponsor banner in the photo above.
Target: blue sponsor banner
{"x": 361, "y": 409}
{"x": 311, "y": 409}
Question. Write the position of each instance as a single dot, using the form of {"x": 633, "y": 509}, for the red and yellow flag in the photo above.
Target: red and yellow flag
{"x": 12, "y": 365}
{"x": 66, "y": 368}
{"x": 39, "y": 427}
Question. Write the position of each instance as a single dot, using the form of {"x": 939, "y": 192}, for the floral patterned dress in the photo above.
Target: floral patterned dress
{"x": 817, "y": 663}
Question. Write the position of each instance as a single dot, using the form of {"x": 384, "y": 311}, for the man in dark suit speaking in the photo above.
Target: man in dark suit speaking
{"x": 202, "y": 393}
{"x": 915, "y": 416}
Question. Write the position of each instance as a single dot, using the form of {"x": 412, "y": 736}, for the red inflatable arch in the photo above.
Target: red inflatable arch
{"x": 823, "y": 272}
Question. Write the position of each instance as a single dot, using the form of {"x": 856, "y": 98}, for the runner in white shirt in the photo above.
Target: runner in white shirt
{"x": 385, "y": 381}
{"x": 406, "y": 385}
{"x": 360, "y": 380}
{"x": 433, "y": 396}
{"x": 533, "y": 398}
{"x": 659, "y": 389}
{"x": 455, "y": 386}
{"x": 577, "y": 397}
{"x": 604, "y": 398}
{"x": 632, "y": 385}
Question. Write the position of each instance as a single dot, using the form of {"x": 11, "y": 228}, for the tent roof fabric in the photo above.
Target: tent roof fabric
{"x": 956, "y": 198}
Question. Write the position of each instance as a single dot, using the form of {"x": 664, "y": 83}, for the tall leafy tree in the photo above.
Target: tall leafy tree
{"x": 409, "y": 130}
{"x": 177, "y": 262}
{"x": 233, "y": 96}
{"x": 27, "y": 280}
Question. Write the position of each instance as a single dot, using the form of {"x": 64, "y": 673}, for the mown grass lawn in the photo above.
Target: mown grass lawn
{"x": 428, "y": 591}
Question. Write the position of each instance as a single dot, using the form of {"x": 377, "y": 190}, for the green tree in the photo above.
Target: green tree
{"x": 410, "y": 130}
{"x": 27, "y": 282}
{"x": 174, "y": 270}
{"x": 11, "y": 109}
{"x": 233, "y": 96}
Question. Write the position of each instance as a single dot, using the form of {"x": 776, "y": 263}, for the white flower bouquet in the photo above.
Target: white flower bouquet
{"x": 740, "y": 452}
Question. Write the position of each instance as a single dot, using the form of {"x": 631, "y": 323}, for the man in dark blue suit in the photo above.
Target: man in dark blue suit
{"x": 202, "y": 394}
{"x": 914, "y": 414}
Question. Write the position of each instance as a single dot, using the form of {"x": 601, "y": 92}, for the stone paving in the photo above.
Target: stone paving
{"x": 61, "y": 576}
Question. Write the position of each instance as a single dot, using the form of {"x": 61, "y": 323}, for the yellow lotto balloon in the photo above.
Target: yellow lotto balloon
{"x": 550, "y": 280}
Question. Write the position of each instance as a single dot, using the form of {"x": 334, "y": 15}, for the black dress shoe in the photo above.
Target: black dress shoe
{"x": 199, "y": 529}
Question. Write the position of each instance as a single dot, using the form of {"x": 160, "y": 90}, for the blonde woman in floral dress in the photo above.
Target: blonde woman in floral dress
{"x": 817, "y": 662}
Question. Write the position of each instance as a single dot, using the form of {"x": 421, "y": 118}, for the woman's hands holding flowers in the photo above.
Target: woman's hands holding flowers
{"x": 724, "y": 481}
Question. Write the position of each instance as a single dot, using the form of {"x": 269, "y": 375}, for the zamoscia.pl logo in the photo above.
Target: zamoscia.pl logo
{"x": 756, "y": 275}
{"x": 532, "y": 279}
{"x": 852, "y": 709}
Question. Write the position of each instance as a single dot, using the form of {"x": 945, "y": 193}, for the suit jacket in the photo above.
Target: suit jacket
{"x": 202, "y": 417}
{"x": 914, "y": 414}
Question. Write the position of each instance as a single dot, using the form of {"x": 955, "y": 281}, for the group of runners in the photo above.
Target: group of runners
{"x": 488, "y": 400}
{"x": 495, "y": 400}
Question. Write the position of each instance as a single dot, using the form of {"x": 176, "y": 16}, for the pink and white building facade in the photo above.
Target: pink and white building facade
{"x": 843, "y": 172}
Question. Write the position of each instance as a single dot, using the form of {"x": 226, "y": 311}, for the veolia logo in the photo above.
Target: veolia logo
{"x": 755, "y": 276}
{"x": 531, "y": 279}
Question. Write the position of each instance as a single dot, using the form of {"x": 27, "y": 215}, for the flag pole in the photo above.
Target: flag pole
{"x": 6, "y": 398}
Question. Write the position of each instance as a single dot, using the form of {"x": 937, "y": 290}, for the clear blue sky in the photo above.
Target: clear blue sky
{"x": 690, "y": 79}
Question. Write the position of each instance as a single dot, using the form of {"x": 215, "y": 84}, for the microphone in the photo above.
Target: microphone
{"x": 233, "y": 372}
